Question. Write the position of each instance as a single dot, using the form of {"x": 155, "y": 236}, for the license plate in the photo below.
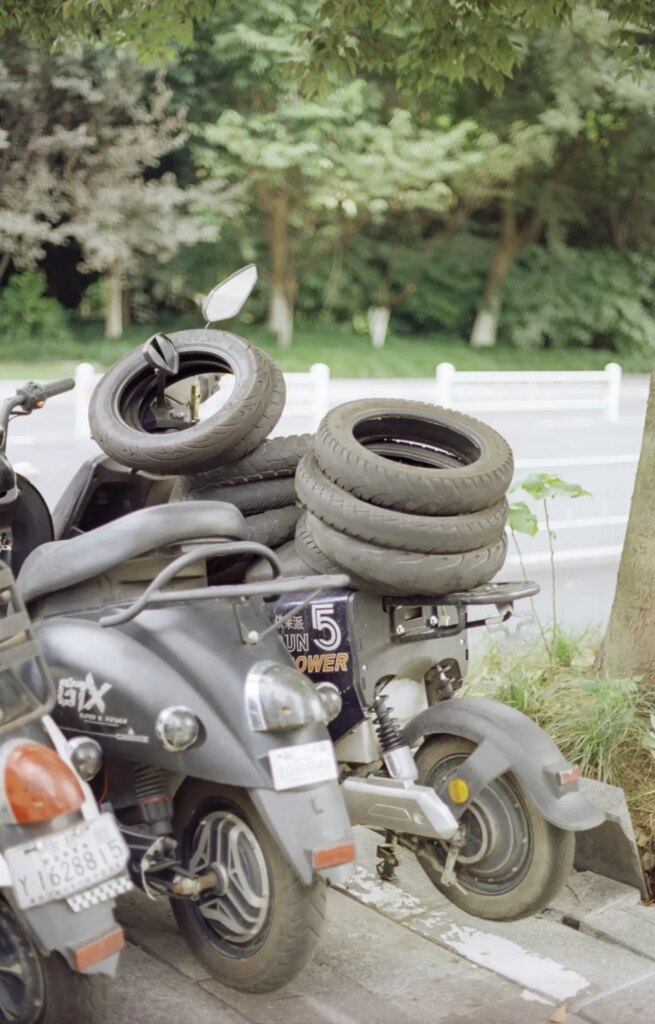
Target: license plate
{"x": 54, "y": 867}
{"x": 303, "y": 765}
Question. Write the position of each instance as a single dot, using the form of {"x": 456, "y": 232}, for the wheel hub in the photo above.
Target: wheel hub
{"x": 226, "y": 845}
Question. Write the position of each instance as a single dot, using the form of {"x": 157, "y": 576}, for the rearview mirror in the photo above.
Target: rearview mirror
{"x": 226, "y": 299}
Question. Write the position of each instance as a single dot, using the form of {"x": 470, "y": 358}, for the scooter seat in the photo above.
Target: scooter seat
{"x": 66, "y": 563}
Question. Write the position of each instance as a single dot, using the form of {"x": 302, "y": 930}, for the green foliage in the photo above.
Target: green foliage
{"x": 521, "y": 519}
{"x": 564, "y": 296}
{"x": 544, "y": 486}
{"x": 600, "y": 724}
{"x": 31, "y": 324}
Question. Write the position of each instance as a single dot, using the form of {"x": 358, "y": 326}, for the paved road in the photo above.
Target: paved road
{"x": 401, "y": 953}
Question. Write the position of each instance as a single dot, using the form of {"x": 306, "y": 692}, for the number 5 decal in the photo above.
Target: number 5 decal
{"x": 323, "y": 620}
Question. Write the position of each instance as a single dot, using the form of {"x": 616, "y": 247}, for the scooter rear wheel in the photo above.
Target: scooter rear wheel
{"x": 513, "y": 861}
{"x": 44, "y": 990}
{"x": 262, "y": 930}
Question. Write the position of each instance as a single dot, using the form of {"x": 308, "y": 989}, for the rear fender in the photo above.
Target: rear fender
{"x": 302, "y": 821}
{"x": 507, "y": 741}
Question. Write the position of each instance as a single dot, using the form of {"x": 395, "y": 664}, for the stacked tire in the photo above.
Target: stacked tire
{"x": 261, "y": 485}
{"x": 406, "y": 497}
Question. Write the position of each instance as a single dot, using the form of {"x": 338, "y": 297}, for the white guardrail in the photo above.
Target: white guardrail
{"x": 309, "y": 394}
{"x": 530, "y": 390}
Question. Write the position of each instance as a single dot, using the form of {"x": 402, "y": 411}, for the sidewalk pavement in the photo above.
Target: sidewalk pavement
{"x": 401, "y": 953}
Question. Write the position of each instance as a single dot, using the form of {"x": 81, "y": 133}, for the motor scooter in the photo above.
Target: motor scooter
{"x": 476, "y": 790}
{"x": 215, "y": 756}
{"x": 62, "y": 862}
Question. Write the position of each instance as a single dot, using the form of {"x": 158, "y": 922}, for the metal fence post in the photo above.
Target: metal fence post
{"x": 84, "y": 378}
{"x": 320, "y": 374}
{"x": 613, "y": 373}
{"x": 444, "y": 382}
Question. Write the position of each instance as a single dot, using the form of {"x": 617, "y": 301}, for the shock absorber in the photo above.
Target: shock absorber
{"x": 398, "y": 757}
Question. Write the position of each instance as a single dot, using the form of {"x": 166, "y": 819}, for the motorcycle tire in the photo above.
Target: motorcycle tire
{"x": 251, "y": 947}
{"x": 275, "y": 458}
{"x": 309, "y": 552}
{"x": 401, "y": 531}
{"x": 527, "y": 860}
{"x": 273, "y": 528}
{"x": 251, "y": 499}
{"x": 121, "y": 400}
{"x": 45, "y": 990}
{"x": 446, "y": 463}
{"x": 404, "y": 573}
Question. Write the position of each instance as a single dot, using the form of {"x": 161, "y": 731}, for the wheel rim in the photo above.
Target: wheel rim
{"x": 498, "y": 839}
{"x": 21, "y": 981}
{"x": 224, "y": 843}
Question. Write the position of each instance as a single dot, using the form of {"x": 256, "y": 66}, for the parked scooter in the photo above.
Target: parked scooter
{"x": 217, "y": 761}
{"x": 476, "y": 790}
{"x": 61, "y": 861}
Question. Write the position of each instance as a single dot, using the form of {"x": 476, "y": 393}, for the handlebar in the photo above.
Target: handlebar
{"x": 33, "y": 395}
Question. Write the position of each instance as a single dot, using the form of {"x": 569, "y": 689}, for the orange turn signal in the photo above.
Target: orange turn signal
{"x": 332, "y": 856}
{"x": 99, "y": 949}
{"x": 38, "y": 785}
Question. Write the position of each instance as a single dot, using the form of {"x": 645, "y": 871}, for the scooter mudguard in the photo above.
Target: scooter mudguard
{"x": 54, "y": 927}
{"x": 508, "y": 741}
{"x": 306, "y": 821}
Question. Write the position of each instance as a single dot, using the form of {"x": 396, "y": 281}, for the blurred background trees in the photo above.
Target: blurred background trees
{"x": 521, "y": 217}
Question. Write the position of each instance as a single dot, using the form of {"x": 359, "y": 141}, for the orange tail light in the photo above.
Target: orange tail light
{"x": 38, "y": 785}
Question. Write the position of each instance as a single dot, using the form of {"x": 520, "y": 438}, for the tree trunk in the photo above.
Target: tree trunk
{"x": 5, "y": 260}
{"x": 510, "y": 242}
{"x": 114, "y": 304}
{"x": 628, "y": 648}
{"x": 284, "y": 285}
{"x": 378, "y": 323}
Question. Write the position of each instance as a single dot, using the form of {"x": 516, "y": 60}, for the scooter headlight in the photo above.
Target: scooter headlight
{"x": 177, "y": 728}
{"x": 279, "y": 698}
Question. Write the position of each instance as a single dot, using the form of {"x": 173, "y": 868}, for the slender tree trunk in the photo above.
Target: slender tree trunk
{"x": 5, "y": 260}
{"x": 628, "y": 648}
{"x": 114, "y": 304}
{"x": 284, "y": 285}
{"x": 378, "y": 324}
{"x": 510, "y": 242}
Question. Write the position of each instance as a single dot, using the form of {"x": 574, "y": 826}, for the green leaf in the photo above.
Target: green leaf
{"x": 521, "y": 519}
{"x": 542, "y": 486}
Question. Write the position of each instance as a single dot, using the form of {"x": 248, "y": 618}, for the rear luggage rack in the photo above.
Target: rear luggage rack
{"x": 152, "y": 596}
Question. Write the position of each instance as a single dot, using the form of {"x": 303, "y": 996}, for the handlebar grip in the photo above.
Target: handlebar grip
{"x": 57, "y": 387}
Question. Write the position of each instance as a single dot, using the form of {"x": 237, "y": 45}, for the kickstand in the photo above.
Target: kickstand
{"x": 386, "y": 868}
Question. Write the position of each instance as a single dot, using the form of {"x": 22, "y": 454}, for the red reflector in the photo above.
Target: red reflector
{"x": 38, "y": 785}
{"x": 331, "y": 856}
{"x": 99, "y": 949}
{"x": 571, "y": 774}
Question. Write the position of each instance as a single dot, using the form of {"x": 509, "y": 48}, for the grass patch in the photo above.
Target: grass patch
{"x": 347, "y": 354}
{"x": 602, "y": 725}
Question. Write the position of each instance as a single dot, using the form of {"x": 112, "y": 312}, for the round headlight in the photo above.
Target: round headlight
{"x": 177, "y": 728}
{"x": 86, "y": 755}
{"x": 331, "y": 700}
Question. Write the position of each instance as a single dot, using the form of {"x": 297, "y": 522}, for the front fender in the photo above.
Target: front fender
{"x": 508, "y": 741}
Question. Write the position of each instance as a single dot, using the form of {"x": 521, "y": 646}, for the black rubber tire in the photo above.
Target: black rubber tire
{"x": 274, "y": 528}
{"x": 275, "y": 458}
{"x": 549, "y": 850}
{"x": 388, "y": 528}
{"x": 432, "y": 485}
{"x": 402, "y": 573}
{"x": 250, "y": 413}
{"x": 309, "y": 551}
{"x": 63, "y": 994}
{"x": 296, "y": 913}
{"x": 251, "y": 499}
{"x": 291, "y": 562}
